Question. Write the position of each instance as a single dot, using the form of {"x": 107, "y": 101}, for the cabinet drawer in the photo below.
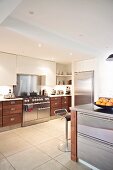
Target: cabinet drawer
{"x": 11, "y": 119}
{"x": 64, "y": 98}
{"x": 0, "y": 104}
{"x": 0, "y": 109}
{"x": 12, "y": 109}
{"x": 0, "y": 121}
{"x": 55, "y": 104}
{"x": 0, "y": 112}
{"x": 56, "y": 99}
{"x": 65, "y": 107}
{"x": 12, "y": 102}
{"x": 64, "y": 103}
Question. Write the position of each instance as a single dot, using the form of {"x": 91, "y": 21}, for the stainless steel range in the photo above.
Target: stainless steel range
{"x": 36, "y": 109}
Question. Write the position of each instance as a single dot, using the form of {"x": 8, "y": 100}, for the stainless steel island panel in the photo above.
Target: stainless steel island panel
{"x": 95, "y": 153}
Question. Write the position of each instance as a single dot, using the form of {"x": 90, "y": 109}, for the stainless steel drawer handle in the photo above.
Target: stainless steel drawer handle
{"x": 95, "y": 116}
{"x": 44, "y": 108}
{"x": 13, "y": 102}
{"x": 12, "y": 109}
{"x": 12, "y": 119}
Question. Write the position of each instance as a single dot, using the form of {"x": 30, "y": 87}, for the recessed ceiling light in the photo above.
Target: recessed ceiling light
{"x": 52, "y": 58}
{"x": 31, "y": 12}
{"x": 70, "y": 53}
{"x": 39, "y": 45}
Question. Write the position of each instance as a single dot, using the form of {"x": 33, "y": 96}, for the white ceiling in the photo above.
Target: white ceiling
{"x": 81, "y": 27}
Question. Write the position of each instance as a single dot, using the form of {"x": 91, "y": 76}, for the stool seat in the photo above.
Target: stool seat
{"x": 68, "y": 117}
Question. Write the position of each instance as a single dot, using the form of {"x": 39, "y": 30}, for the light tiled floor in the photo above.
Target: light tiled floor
{"x": 35, "y": 148}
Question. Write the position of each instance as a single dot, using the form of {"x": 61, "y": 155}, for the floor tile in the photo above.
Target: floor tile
{"x": 7, "y": 135}
{"x": 1, "y": 156}
{"x": 5, "y": 165}
{"x": 50, "y": 147}
{"x": 25, "y": 130}
{"x": 12, "y": 146}
{"x": 36, "y": 148}
{"x": 65, "y": 159}
{"x": 50, "y": 165}
{"x": 28, "y": 160}
{"x": 38, "y": 138}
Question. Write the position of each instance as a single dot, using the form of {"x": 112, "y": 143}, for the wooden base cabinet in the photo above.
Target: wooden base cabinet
{"x": 66, "y": 102}
{"x": 0, "y": 114}
{"x": 60, "y": 102}
{"x": 12, "y": 112}
{"x": 55, "y": 103}
{"x": 11, "y": 119}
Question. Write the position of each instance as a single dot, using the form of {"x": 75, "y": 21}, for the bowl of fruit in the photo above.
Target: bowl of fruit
{"x": 103, "y": 102}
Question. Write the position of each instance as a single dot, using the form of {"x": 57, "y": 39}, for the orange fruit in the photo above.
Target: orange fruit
{"x": 111, "y": 100}
{"x": 98, "y": 102}
{"x": 103, "y": 104}
{"x": 105, "y": 101}
{"x": 109, "y": 104}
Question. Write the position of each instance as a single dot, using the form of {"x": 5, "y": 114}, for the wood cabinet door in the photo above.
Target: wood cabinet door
{"x": 66, "y": 102}
{"x": 0, "y": 109}
{"x": 55, "y": 104}
{"x": 12, "y": 119}
{"x": 12, "y": 102}
{"x": 0, "y": 121}
{"x": 12, "y": 109}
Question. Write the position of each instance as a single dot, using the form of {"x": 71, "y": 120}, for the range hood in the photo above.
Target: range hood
{"x": 110, "y": 58}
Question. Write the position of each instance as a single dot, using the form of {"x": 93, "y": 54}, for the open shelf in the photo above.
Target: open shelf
{"x": 58, "y": 75}
{"x": 63, "y": 74}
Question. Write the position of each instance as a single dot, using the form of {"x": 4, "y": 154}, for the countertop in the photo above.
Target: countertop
{"x": 92, "y": 109}
{"x": 59, "y": 95}
{"x": 2, "y": 99}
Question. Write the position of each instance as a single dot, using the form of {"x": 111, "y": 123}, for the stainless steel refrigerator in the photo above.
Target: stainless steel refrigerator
{"x": 84, "y": 87}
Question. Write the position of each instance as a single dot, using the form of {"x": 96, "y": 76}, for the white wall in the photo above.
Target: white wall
{"x": 5, "y": 90}
{"x": 105, "y": 77}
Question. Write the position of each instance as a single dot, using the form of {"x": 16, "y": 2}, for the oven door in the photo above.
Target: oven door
{"x": 43, "y": 112}
{"x": 29, "y": 113}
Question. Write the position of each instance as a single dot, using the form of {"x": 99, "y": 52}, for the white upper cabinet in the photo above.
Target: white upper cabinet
{"x": 28, "y": 65}
{"x": 7, "y": 69}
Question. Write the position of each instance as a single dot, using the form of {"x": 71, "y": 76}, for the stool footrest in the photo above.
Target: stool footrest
{"x": 64, "y": 148}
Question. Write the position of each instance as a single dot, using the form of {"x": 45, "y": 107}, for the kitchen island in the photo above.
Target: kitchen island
{"x": 92, "y": 135}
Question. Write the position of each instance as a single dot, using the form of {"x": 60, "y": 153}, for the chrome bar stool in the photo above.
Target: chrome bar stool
{"x": 65, "y": 147}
